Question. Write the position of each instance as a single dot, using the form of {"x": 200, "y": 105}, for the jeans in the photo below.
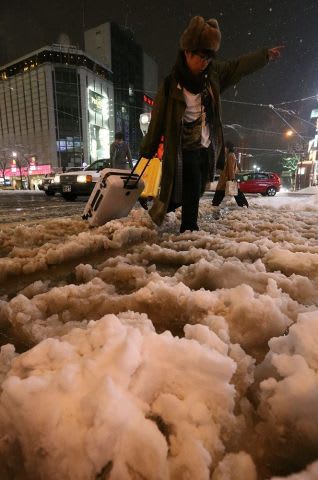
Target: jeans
{"x": 195, "y": 171}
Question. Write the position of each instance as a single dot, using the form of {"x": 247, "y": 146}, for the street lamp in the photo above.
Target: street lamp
{"x": 289, "y": 133}
{"x": 14, "y": 154}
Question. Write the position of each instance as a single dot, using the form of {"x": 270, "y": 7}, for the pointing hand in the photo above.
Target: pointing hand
{"x": 275, "y": 52}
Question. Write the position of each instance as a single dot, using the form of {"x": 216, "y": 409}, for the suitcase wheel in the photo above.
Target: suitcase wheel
{"x": 87, "y": 215}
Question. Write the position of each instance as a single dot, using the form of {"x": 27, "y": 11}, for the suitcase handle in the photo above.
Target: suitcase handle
{"x": 134, "y": 168}
{"x": 130, "y": 176}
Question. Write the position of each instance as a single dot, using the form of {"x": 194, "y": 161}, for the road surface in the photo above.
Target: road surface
{"x": 26, "y": 205}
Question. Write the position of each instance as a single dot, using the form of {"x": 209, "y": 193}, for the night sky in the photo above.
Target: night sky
{"x": 245, "y": 24}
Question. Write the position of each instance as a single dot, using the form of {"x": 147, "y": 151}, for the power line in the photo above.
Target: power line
{"x": 237, "y": 126}
{"x": 244, "y": 103}
{"x": 303, "y": 120}
{"x": 277, "y": 151}
{"x": 275, "y": 110}
{"x": 298, "y": 100}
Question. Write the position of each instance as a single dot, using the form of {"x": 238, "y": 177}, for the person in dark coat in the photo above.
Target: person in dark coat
{"x": 120, "y": 155}
{"x": 228, "y": 173}
{"x": 187, "y": 112}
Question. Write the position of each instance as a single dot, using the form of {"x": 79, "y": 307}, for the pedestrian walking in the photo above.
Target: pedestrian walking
{"x": 120, "y": 155}
{"x": 227, "y": 175}
{"x": 187, "y": 113}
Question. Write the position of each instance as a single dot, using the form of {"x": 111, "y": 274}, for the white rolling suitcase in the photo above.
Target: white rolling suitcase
{"x": 114, "y": 195}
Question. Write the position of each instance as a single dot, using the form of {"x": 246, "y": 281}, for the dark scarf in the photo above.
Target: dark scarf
{"x": 193, "y": 83}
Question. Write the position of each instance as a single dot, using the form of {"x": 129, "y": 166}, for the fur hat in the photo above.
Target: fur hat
{"x": 201, "y": 34}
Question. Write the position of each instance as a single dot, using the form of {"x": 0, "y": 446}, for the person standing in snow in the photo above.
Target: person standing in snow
{"x": 187, "y": 112}
{"x": 227, "y": 174}
{"x": 120, "y": 153}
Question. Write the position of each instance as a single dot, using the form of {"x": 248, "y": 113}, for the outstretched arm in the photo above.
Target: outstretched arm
{"x": 232, "y": 71}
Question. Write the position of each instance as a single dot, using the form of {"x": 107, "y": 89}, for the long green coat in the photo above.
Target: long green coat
{"x": 167, "y": 115}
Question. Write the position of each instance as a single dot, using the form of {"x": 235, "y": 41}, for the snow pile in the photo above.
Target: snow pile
{"x": 28, "y": 254}
{"x": 168, "y": 356}
{"x": 142, "y": 405}
{"x": 236, "y": 466}
{"x": 22, "y": 236}
{"x": 251, "y": 318}
{"x": 292, "y": 262}
{"x": 289, "y": 392}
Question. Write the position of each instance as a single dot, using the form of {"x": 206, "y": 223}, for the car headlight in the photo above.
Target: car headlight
{"x": 57, "y": 179}
{"x": 84, "y": 178}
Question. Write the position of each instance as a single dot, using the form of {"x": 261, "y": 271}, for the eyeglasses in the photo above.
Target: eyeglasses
{"x": 207, "y": 57}
{"x": 203, "y": 57}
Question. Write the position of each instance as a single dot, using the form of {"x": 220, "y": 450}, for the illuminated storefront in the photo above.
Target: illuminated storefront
{"x": 26, "y": 176}
{"x": 59, "y": 105}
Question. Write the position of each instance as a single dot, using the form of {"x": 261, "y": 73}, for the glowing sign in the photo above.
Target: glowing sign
{"x": 98, "y": 103}
{"x": 99, "y": 135}
{"x": 148, "y": 100}
{"x": 95, "y": 101}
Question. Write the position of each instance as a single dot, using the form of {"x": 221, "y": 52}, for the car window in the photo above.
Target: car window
{"x": 246, "y": 176}
{"x": 95, "y": 165}
{"x": 261, "y": 175}
{"x": 99, "y": 164}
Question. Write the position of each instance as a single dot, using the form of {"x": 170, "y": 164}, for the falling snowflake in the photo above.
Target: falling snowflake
{"x": 270, "y": 9}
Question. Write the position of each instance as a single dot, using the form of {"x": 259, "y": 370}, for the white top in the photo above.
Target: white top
{"x": 193, "y": 111}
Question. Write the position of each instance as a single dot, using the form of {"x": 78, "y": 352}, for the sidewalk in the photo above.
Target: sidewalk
{"x": 306, "y": 191}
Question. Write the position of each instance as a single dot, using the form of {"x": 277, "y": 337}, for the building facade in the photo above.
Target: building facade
{"x": 135, "y": 76}
{"x": 307, "y": 169}
{"x": 56, "y": 105}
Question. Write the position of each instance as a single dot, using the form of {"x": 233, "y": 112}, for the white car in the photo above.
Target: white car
{"x": 46, "y": 184}
{"x": 72, "y": 184}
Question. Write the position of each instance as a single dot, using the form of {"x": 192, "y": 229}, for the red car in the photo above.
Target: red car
{"x": 266, "y": 183}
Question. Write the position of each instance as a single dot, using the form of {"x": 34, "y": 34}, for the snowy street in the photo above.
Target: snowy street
{"x": 27, "y": 205}
{"x": 131, "y": 351}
